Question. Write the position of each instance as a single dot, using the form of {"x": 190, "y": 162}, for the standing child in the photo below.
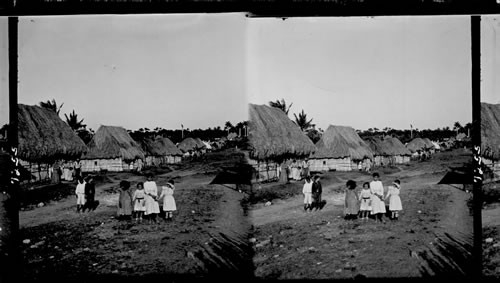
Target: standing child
{"x": 394, "y": 200}
{"x": 125, "y": 201}
{"x": 378, "y": 204}
{"x": 90, "y": 203}
{"x": 317, "y": 190}
{"x": 168, "y": 200}
{"x": 80, "y": 195}
{"x": 139, "y": 202}
{"x": 152, "y": 207}
{"x": 307, "y": 191}
{"x": 365, "y": 197}
{"x": 351, "y": 201}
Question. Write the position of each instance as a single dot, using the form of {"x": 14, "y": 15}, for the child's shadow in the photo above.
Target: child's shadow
{"x": 322, "y": 204}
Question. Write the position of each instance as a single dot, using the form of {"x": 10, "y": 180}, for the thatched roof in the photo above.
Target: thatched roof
{"x": 388, "y": 146}
{"x": 44, "y": 137}
{"x": 161, "y": 147}
{"x": 113, "y": 142}
{"x": 490, "y": 130}
{"x": 200, "y": 143}
{"x": 188, "y": 144}
{"x": 417, "y": 144}
{"x": 271, "y": 134}
{"x": 340, "y": 142}
{"x": 428, "y": 143}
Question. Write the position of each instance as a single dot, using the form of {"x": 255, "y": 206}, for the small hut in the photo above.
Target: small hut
{"x": 191, "y": 146}
{"x": 340, "y": 149}
{"x": 44, "y": 139}
{"x": 273, "y": 138}
{"x": 417, "y": 146}
{"x": 112, "y": 149}
{"x": 490, "y": 136}
{"x": 161, "y": 151}
{"x": 388, "y": 151}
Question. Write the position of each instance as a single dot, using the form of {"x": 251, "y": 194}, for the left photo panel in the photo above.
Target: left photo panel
{"x": 131, "y": 136}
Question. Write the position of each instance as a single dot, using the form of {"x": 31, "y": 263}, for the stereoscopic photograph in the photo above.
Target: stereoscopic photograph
{"x": 198, "y": 145}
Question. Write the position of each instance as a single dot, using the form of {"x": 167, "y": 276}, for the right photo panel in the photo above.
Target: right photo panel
{"x": 359, "y": 139}
{"x": 490, "y": 142}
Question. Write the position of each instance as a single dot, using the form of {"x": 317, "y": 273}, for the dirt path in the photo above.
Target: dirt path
{"x": 433, "y": 236}
{"x": 209, "y": 234}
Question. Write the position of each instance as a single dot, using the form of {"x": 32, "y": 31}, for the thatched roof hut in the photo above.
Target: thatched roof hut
{"x": 111, "y": 142}
{"x": 44, "y": 137}
{"x": 188, "y": 144}
{"x": 272, "y": 135}
{"x": 388, "y": 146}
{"x": 417, "y": 144}
{"x": 490, "y": 130}
{"x": 340, "y": 142}
{"x": 161, "y": 147}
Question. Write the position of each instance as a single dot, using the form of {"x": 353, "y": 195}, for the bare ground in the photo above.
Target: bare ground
{"x": 209, "y": 234}
{"x": 432, "y": 237}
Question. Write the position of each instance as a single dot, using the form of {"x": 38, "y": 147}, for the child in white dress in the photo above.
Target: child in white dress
{"x": 80, "y": 195}
{"x": 152, "y": 207}
{"x": 378, "y": 204}
{"x": 307, "y": 191}
{"x": 394, "y": 200}
{"x": 168, "y": 200}
{"x": 365, "y": 199}
{"x": 139, "y": 202}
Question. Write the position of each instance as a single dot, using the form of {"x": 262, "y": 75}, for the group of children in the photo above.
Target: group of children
{"x": 85, "y": 194}
{"x": 371, "y": 200}
{"x": 146, "y": 201}
{"x": 312, "y": 191}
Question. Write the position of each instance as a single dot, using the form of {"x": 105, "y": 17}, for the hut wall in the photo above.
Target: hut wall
{"x": 169, "y": 159}
{"x": 264, "y": 170}
{"x": 96, "y": 165}
{"x": 136, "y": 165}
{"x": 327, "y": 164}
{"x": 154, "y": 160}
{"x": 401, "y": 159}
{"x": 38, "y": 171}
{"x": 493, "y": 165}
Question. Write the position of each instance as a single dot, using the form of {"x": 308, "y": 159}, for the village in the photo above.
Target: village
{"x": 335, "y": 248}
{"x": 190, "y": 164}
{"x": 209, "y": 231}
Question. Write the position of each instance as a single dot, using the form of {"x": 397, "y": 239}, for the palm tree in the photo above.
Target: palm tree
{"x": 457, "y": 127}
{"x": 51, "y": 105}
{"x": 281, "y": 105}
{"x": 73, "y": 122}
{"x": 228, "y": 126}
{"x": 302, "y": 122}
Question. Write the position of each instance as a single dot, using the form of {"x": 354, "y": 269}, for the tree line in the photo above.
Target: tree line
{"x": 305, "y": 124}
{"x": 177, "y": 135}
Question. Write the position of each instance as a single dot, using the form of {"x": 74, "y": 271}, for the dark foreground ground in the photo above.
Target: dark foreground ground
{"x": 208, "y": 237}
{"x": 432, "y": 238}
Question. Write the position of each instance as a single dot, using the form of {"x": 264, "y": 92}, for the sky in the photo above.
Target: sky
{"x": 4, "y": 71}
{"x": 490, "y": 59}
{"x": 137, "y": 71}
{"x": 364, "y": 72}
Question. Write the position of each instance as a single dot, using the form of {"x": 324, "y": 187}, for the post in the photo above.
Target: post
{"x": 9, "y": 205}
{"x": 476, "y": 140}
